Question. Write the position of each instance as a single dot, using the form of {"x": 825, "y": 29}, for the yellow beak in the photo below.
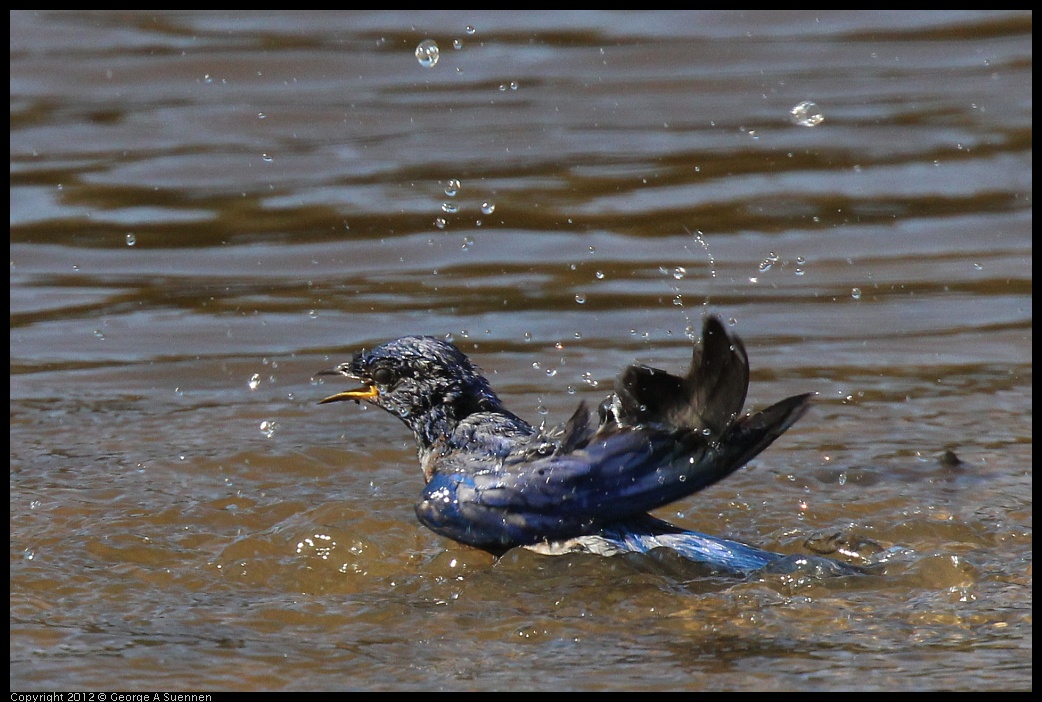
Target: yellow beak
{"x": 366, "y": 393}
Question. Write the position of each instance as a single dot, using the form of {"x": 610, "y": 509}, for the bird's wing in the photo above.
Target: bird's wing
{"x": 617, "y": 474}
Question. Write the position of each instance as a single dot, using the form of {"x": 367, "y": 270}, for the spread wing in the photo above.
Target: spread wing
{"x": 618, "y": 472}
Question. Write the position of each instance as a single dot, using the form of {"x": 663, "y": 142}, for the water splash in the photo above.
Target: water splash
{"x": 427, "y": 53}
{"x": 806, "y": 114}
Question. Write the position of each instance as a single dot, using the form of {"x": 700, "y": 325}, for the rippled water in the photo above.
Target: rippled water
{"x": 206, "y": 209}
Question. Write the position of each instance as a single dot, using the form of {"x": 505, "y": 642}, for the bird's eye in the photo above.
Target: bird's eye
{"x": 383, "y": 376}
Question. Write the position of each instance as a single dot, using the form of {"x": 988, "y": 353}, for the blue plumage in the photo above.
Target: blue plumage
{"x": 495, "y": 482}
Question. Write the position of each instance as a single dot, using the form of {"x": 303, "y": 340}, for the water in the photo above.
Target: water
{"x": 184, "y": 516}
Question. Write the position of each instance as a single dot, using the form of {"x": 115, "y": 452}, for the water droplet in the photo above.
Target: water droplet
{"x": 488, "y": 208}
{"x": 266, "y": 158}
{"x": 427, "y": 53}
{"x": 268, "y": 428}
{"x": 768, "y": 262}
{"x": 855, "y": 293}
{"x": 254, "y": 381}
{"x": 599, "y": 275}
{"x": 807, "y": 114}
{"x": 679, "y": 272}
{"x": 469, "y": 30}
{"x": 439, "y": 223}
{"x": 452, "y": 187}
{"x": 467, "y": 243}
{"x": 587, "y": 378}
{"x": 98, "y": 334}
{"x": 449, "y": 207}
{"x": 261, "y": 115}
{"x": 551, "y": 372}
{"x": 457, "y": 44}
{"x": 581, "y": 299}
{"x": 131, "y": 239}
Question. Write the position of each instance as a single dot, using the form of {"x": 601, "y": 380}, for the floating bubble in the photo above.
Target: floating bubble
{"x": 807, "y": 114}
{"x": 427, "y": 53}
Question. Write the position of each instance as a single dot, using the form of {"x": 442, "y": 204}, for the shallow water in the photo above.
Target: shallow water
{"x": 206, "y": 209}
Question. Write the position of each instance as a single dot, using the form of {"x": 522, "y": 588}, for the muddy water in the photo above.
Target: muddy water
{"x": 206, "y": 209}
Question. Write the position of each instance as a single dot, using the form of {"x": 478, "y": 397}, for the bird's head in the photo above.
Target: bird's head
{"x": 420, "y": 379}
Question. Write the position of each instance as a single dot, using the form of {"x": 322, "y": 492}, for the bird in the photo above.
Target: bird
{"x": 495, "y": 482}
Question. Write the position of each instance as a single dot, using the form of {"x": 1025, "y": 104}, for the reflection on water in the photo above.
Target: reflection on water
{"x": 208, "y": 208}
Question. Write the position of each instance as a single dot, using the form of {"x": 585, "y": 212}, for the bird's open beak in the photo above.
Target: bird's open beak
{"x": 366, "y": 392}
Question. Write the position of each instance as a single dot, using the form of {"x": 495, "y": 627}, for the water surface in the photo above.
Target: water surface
{"x": 208, "y": 208}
